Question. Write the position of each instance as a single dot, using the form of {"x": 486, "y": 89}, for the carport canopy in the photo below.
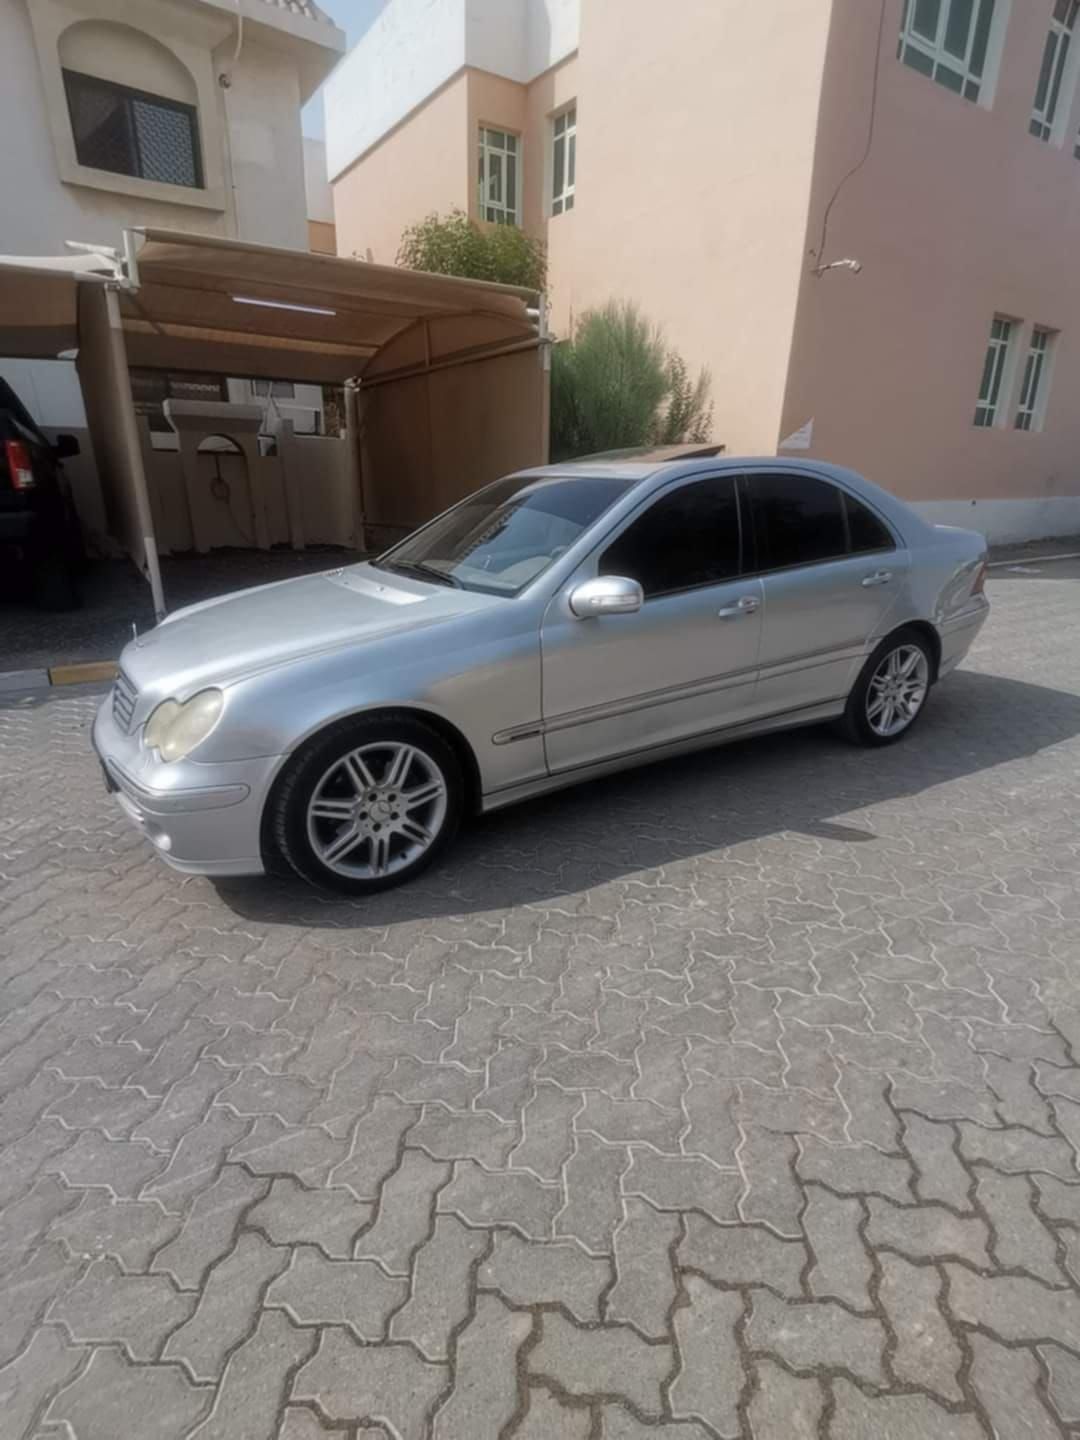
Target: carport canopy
{"x": 179, "y": 301}
{"x": 261, "y": 311}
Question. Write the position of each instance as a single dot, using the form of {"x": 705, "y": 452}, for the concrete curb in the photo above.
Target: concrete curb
{"x": 1031, "y": 560}
{"x": 86, "y": 673}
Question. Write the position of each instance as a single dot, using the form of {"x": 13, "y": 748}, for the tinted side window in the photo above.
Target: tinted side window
{"x": 866, "y": 531}
{"x": 797, "y": 520}
{"x": 687, "y": 538}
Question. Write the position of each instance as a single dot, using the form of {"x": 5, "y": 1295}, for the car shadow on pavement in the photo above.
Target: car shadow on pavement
{"x": 626, "y": 829}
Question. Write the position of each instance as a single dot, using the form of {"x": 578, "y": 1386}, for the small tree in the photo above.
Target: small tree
{"x": 616, "y": 385}
{"x": 455, "y": 245}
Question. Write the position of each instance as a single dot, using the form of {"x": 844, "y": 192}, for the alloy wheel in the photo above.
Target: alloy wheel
{"x": 897, "y": 690}
{"x": 377, "y": 810}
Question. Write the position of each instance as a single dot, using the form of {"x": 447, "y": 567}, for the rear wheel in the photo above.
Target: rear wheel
{"x": 368, "y": 804}
{"x": 891, "y": 691}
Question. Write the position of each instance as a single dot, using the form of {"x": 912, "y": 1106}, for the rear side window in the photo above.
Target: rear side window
{"x": 798, "y": 520}
{"x": 685, "y": 539}
{"x": 865, "y": 530}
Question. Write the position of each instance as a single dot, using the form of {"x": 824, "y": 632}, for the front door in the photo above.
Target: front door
{"x": 832, "y": 573}
{"x": 685, "y": 664}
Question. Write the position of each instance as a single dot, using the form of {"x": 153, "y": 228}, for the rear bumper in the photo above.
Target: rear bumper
{"x": 958, "y": 634}
{"x": 201, "y": 819}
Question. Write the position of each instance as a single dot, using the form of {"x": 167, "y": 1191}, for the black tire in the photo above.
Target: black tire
{"x": 288, "y": 819}
{"x": 855, "y": 725}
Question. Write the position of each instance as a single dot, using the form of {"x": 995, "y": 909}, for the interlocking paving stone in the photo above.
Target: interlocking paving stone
{"x": 229, "y": 1302}
{"x": 137, "y": 1311}
{"x": 645, "y": 1287}
{"x": 1014, "y": 1308}
{"x": 926, "y": 1353}
{"x": 210, "y": 1227}
{"x": 940, "y": 1174}
{"x": 783, "y": 1406}
{"x": 710, "y": 1378}
{"x": 841, "y": 1269}
{"x": 526, "y": 1273}
{"x": 1021, "y": 1240}
{"x": 484, "y": 1397}
{"x": 737, "y": 1004}
{"x": 547, "y": 1419}
{"x": 1064, "y": 1384}
{"x": 355, "y": 1383}
{"x": 100, "y": 1403}
{"x": 293, "y": 1215}
{"x": 405, "y": 1216}
{"x": 356, "y": 1293}
{"x": 27, "y": 1382}
{"x": 1006, "y": 1383}
{"x": 896, "y": 1417}
{"x": 742, "y": 1255}
{"x": 806, "y": 1336}
{"x": 609, "y": 1361}
{"x": 256, "y": 1381}
{"x": 927, "y": 1232}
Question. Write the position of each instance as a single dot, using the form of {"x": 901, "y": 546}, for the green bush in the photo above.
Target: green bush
{"x": 617, "y": 385}
{"x": 455, "y": 245}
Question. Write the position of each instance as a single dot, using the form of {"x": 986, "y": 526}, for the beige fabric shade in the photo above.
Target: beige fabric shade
{"x": 38, "y": 318}
{"x": 259, "y": 310}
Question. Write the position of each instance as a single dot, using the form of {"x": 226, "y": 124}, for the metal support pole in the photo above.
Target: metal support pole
{"x": 129, "y": 434}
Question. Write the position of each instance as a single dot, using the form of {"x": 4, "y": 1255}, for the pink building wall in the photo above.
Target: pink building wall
{"x": 957, "y": 215}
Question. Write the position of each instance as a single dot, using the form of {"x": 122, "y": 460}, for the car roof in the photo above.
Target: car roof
{"x": 686, "y": 460}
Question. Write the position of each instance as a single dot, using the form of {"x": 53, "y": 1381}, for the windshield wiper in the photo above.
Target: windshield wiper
{"x": 424, "y": 572}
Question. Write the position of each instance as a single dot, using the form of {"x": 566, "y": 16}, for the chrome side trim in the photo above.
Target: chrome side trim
{"x": 176, "y": 802}
{"x": 647, "y": 700}
{"x": 814, "y": 659}
{"x": 561, "y": 779}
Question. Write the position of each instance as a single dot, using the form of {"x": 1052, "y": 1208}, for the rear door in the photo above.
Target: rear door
{"x": 832, "y": 572}
{"x": 685, "y": 663}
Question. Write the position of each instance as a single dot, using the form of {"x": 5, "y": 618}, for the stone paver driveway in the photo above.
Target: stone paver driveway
{"x": 739, "y": 1097}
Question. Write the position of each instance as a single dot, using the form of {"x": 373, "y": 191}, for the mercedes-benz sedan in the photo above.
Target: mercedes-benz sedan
{"x": 554, "y": 626}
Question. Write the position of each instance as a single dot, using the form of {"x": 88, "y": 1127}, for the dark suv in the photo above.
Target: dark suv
{"x": 38, "y": 528}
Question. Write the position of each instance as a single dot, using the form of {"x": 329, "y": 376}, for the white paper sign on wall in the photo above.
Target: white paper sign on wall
{"x": 801, "y": 440}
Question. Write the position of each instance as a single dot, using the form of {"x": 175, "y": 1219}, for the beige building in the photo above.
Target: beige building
{"x": 862, "y": 215}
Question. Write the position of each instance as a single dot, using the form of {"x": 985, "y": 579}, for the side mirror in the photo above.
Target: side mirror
{"x": 66, "y": 447}
{"x": 606, "y": 595}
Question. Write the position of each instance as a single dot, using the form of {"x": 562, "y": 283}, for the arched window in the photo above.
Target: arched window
{"x": 132, "y": 104}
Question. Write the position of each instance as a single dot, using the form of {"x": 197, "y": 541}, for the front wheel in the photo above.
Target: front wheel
{"x": 368, "y": 804}
{"x": 891, "y": 691}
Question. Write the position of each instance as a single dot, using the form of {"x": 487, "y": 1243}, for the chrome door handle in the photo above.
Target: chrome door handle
{"x": 746, "y": 606}
{"x": 881, "y": 577}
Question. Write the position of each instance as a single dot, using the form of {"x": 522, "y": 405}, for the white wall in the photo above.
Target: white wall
{"x": 415, "y": 46}
{"x": 320, "y": 198}
{"x": 1007, "y": 522}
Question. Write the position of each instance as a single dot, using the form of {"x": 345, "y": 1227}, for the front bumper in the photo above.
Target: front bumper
{"x": 201, "y": 819}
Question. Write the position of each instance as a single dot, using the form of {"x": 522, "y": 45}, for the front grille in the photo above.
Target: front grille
{"x": 124, "y": 697}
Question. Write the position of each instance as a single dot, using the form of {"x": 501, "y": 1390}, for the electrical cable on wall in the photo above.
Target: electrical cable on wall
{"x": 225, "y": 80}
{"x": 820, "y": 252}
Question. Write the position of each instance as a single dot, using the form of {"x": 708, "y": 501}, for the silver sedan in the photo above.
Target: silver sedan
{"x": 555, "y": 626}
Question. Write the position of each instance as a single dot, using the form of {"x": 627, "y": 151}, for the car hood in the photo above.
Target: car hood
{"x": 220, "y": 641}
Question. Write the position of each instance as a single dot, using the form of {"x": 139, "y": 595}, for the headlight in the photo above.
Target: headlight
{"x": 174, "y": 729}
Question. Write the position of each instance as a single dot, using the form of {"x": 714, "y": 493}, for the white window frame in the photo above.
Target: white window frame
{"x": 1056, "y": 87}
{"x": 562, "y": 200}
{"x": 991, "y": 410}
{"x": 1035, "y": 385}
{"x": 928, "y": 56}
{"x": 494, "y": 157}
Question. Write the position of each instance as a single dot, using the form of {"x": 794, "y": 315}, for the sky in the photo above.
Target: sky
{"x": 354, "y": 17}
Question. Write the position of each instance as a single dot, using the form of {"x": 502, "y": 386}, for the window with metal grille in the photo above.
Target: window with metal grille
{"x": 129, "y": 132}
{"x": 948, "y": 40}
{"x": 1055, "y": 67}
{"x": 499, "y": 176}
{"x": 151, "y": 388}
{"x": 563, "y": 160}
{"x": 997, "y": 357}
{"x": 1029, "y": 413}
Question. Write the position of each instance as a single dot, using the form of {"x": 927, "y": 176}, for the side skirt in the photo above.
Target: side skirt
{"x": 577, "y": 775}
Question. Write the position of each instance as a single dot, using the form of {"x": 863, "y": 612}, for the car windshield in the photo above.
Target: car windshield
{"x": 504, "y": 536}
